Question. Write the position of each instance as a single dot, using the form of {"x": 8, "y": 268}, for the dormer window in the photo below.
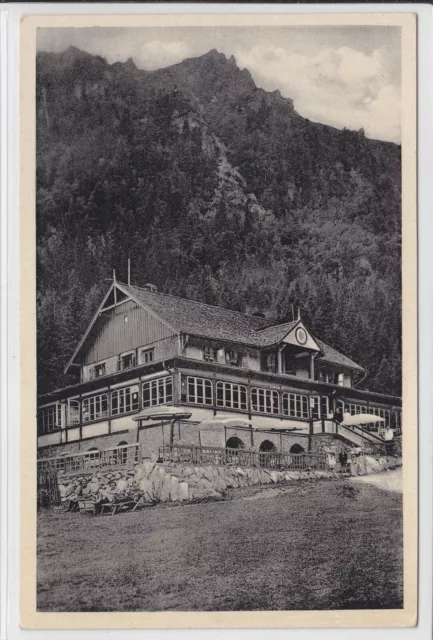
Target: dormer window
{"x": 147, "y": 356}
{"x": 127, "y": 361}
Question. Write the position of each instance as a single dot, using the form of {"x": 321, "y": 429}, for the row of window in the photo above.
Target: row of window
{"x": 103, "y": 405}
{"x": 234, "y": 396}
{"x": 199, "y": 391}
{"x": 230, "y": 357}
{"x": 392, "y": 418}
{"x": 126, "y": 361}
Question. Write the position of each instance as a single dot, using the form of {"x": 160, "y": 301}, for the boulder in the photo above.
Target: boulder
{"x": 148, "y": 467}
{"x": 183, "y": 491}
{"x": 174, "y": 489}
{"x": 209, "y": 474}
{"x": 146, "y": 488}
{"x": 122, "y": 485}
{"x": 164, "y": 494}
{"x": 187, "y": 472}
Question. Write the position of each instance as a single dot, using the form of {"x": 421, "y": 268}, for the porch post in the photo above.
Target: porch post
{"x": 280, "y": 360}
{"x": 312, "y": 356}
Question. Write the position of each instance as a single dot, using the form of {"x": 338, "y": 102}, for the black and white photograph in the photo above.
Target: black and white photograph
{"x": 218, "y": 290}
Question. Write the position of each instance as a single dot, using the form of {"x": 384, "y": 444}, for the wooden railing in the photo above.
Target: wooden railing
{"x": 89, "y": 460}
{"x": 191, "y": 455}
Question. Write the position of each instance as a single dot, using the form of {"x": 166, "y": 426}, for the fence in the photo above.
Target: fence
{"x": 93, "y": 459}
{"x": 48, "y": 488}
{"x": 192, "y": 455}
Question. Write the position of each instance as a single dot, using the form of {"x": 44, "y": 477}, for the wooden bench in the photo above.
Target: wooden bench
{"x": 115, "y": 507}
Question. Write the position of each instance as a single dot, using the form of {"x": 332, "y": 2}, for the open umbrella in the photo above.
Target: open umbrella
{"x": 360, "y": 418}
{"x": 163, "y": 413}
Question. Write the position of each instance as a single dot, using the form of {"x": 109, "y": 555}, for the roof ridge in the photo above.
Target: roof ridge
{"x": 206, "y": 304}
{"x": 280, "y": 324}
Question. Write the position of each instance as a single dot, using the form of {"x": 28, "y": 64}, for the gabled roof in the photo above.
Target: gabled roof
{"x": 333, "y": 356}
{"x": 197, "y": 318}
{"x": 215, "y": 323}
{"x": 275, "y": 333}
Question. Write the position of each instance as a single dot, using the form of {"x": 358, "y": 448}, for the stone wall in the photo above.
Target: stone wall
{"x": 172, "y": 483}
{"x": 322, "y": 443}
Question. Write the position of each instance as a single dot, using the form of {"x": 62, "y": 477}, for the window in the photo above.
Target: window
{"x": 398, "y": 420}
{"x": 233, "y": 358}
{"x": 95, "y": 407}
{"x": 73, "y": 412}
{"x": 209, "y": 354}
{"x": 50, "y": 418}
{"x": 295, "y": 406}
{"x": 395, "y": 419}
{"x": 319, "y": 407}
{"x": 147, "y": 356}
{"x": 315, "y": 407}
{"x": 124, "y": 400}
{"x": 127, "y": 361}
{"x": 324, "y": 406}
{"x": 265, "y": 401}
{"x": 92, "y": 458}
{"x": 268, "y": 362}
{"x": 382, "y": 413}
{"x": 355, "y": 409}
{"x": 156, "y": 392}
{"x": 199, "y": 391}
{"x": 232, "y": 396}
{"x": 97, "y": 371}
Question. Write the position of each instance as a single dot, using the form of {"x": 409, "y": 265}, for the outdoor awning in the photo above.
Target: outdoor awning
{"x": 224, "y": 421}
{"x": 360, "y": 418}
{"x": 162, "y": 413}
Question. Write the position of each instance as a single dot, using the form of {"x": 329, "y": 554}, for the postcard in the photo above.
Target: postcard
{"x": 219, "y": 321}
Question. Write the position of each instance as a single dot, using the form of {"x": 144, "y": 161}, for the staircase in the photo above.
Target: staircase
{"x": 355, "y": 435}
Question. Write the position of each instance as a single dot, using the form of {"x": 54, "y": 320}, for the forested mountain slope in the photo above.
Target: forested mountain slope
{"x": 218, "y": 191}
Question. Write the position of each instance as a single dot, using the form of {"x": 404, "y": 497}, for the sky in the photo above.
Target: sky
{"x": 342, "y": 76}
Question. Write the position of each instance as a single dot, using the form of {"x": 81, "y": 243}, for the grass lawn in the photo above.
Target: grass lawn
{"x": 323, "y": 545}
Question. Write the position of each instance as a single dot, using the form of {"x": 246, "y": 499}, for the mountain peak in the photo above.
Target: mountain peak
{"x": 217, "y": 56}
{"x": 130, "y": 64}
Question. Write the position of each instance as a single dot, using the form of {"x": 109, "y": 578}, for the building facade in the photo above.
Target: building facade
{"x": 146, "y": 349}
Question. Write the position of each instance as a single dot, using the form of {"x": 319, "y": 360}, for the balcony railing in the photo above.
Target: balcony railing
{"x": 184, "y": 454}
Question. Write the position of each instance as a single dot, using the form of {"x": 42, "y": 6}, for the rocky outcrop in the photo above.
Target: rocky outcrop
{"x": 367, "y": 465}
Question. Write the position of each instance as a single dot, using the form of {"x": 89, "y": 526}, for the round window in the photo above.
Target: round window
{"x": 301, "y": 335}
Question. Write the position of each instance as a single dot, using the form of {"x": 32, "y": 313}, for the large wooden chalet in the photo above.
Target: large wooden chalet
{"x": 145, "y": 349}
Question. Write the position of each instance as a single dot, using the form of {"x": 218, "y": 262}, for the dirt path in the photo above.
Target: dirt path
{"x": 387, "y": 480}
